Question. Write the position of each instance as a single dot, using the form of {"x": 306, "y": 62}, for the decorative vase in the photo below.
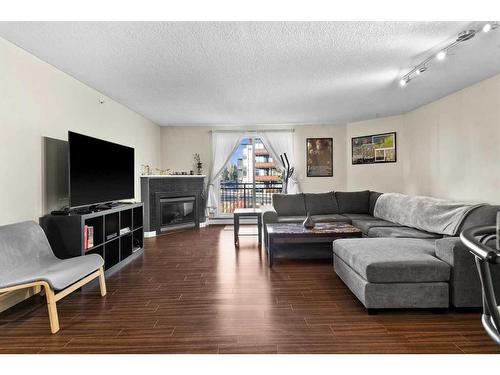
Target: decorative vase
{"x": 308, "y": 222}
{"x": 198, "y": 167}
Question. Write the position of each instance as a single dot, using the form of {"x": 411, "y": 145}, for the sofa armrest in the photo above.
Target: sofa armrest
{"x": 269, "y": 215}
{"x": 465, "y": 286}
{"x": 450, "y": 248}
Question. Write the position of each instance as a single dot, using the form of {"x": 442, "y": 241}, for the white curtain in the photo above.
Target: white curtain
{"x": 224, "y": 144}
{"x": 279, "y": 143}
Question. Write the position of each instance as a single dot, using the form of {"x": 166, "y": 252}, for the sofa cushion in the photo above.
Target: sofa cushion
{"x": 289, "y": 204}
{"x": 392, "y": 260}
{"x": 321, "y": 203}
{"x": 360, "y": 217}
{"x": 366, "y": 225}
{"x": 291, "y": 219}
{"x": 400, "y": 232}
{"x": 373, "y": 199}
{"x": 355, "y": 202}
{"x": 330, "y": 218}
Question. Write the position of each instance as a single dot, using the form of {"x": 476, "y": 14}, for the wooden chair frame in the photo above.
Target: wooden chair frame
{"x": 52, "y": 297}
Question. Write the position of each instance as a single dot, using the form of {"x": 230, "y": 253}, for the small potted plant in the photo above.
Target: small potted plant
{"x": 198, "y": 163}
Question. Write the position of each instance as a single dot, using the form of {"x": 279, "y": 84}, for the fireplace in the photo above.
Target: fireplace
{"x": 172, "y": 202}
{"x": 177, "y": 213}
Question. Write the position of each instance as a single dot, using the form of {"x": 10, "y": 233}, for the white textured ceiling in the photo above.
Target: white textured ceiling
{"x": 260, "y": 72}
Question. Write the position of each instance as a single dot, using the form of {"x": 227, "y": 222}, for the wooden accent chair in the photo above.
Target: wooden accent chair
{"x": 27, "y": 261}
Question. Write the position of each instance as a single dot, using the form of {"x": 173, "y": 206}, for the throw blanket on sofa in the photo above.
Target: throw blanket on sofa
{"x": 424, "y": 213}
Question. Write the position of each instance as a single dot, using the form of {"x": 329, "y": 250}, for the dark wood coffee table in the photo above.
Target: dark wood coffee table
{"x": 282, "y": 236}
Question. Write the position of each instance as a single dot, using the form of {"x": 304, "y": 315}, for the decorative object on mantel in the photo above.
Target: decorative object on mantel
{"x": 198, "y": 163}
{"x": 287, "y": 172}
{"x": 374, "y": 149}
{"x": 145, "y": 170}
{"x": 309, "y": 222}
{"x": 161, "y": 172}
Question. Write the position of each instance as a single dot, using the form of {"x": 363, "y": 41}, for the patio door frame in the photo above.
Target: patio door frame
{"x": 253, "y": 135}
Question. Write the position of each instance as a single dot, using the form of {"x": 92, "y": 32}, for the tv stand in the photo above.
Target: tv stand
{"x": 118, "y": 233}
{"x": 105, "y": 206}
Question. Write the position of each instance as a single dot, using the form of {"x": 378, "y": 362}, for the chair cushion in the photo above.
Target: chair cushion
{"x": 355, "y": 202}
{"x": 321, "y": 203}
{"x": 26, "y": 256}
{"x": 366, "y": 225}
{"x": 289, "y": 204}
{"x": 59, "y": 274}
{"x": 330, "y": 218}
{"x": 400, "y": 232}
{"x": 392, "y": 260}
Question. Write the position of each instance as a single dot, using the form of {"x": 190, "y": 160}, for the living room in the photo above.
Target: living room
{"x": 249, "y": 187}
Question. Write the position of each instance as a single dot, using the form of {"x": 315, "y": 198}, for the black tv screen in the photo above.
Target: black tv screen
{"x": 99, "y": 171}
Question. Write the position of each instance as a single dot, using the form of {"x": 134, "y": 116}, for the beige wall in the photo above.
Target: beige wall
{"x": 455, "y": 145}
{"x": 39, "y": 100}
{"x": 179, "y": 143}
{"x": 449, "y": 148}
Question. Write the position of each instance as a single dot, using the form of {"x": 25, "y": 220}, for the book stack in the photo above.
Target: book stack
{"x": 88, "y": 237}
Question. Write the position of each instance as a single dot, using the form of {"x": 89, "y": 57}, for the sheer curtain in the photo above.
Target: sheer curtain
{"x": 224, "y": 144}
{"x": 280, "y": 142}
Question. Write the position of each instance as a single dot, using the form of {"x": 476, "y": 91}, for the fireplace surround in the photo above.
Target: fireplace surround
{"x": 172, "y": 202}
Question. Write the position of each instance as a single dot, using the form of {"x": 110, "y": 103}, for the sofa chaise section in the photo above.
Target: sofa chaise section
{"x": 393, "y": 272}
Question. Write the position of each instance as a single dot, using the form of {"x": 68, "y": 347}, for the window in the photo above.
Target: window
{"x": 249, "y": 179}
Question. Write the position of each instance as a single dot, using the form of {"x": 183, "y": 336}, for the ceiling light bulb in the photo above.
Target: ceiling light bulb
{"x": 417, "y": 72}
{"x": 487, "y": 27}
{"x": 403, "y": 82}
{"x": 441, "y": 55}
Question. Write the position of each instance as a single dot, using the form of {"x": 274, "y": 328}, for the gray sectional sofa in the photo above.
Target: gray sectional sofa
{"x": 415, "y": 260}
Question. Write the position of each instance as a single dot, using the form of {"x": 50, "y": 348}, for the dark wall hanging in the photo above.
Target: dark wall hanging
{"x": 374, "y": 149}
{"x": 319, "y": 157}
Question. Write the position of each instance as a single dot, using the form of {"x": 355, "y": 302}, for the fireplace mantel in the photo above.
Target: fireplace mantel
{"x": 170, "y": 186}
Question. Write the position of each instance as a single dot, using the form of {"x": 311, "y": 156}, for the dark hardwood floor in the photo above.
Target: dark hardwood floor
{"x": 193, "y": 292}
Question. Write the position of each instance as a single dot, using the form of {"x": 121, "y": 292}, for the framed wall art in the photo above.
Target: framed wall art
{"x": 319, "y": 157}
{"x": 374, "y": 149}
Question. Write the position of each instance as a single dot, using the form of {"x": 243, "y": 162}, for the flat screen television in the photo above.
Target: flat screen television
{"x": 99, "y": 171}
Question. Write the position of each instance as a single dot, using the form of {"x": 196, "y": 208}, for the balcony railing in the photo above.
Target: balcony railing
{"x": 240, "y": 194}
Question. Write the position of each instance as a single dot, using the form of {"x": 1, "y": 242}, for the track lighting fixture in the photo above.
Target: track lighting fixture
{"x": 489, "y": 26}
{"x": 441, "y": 55}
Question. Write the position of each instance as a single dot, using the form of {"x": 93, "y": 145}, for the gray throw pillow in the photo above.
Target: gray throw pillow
{"x": 353, "y": 202}
{"x": 321, "y": 203}
{"x": 289, "y": 204}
